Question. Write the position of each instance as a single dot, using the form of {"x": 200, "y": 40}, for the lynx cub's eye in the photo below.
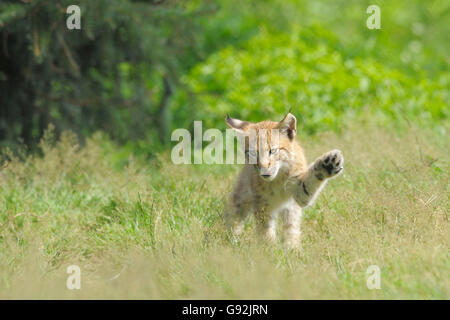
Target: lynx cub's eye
{"x": 273, "y": 151}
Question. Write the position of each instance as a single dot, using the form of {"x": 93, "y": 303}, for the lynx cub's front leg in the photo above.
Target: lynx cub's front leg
{"x": 325, "y": 167}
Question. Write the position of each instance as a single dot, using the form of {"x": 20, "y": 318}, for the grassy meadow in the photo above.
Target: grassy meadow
{"x": 154, "y": 230}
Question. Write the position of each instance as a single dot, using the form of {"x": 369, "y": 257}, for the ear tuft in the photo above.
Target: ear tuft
{"x": 236, "y": 124}
{"x": 288, "y": 126}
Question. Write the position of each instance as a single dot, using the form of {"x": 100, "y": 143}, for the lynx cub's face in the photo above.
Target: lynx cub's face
{"x": 268, "y": 144}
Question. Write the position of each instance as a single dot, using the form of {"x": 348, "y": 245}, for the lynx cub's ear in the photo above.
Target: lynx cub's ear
{"x": 236, "y": 124}
{"x": 288, "y": 126}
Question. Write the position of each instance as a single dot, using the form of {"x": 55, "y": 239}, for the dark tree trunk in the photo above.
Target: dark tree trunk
{"x": 162, "y": 116}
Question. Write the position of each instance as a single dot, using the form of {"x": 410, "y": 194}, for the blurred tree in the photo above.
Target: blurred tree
{"x": 115, "y": 74}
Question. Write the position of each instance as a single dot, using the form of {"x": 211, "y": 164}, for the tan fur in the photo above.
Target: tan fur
{"x": 281, "y": 182}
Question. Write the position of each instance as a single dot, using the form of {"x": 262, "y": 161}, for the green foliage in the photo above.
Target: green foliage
{"x": 10, "y": 12}
{"x": 304, "y": 71}
{"x": 320, "y": 59}
{"x": 253, "y": 59}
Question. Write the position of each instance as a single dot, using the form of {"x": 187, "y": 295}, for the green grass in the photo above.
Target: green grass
{"x": 154, "y": 230}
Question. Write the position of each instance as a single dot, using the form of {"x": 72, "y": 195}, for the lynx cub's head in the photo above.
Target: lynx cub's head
{"x": 269, "y": 145}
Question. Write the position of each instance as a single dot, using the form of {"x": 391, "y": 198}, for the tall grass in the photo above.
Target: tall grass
{"x": 154, "y": 230}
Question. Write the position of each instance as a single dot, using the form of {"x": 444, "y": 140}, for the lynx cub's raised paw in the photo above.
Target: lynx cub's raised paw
{"x": 329, "y": 165}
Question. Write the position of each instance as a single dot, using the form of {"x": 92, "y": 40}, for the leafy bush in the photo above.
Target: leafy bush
{"x": 306, "y": 71}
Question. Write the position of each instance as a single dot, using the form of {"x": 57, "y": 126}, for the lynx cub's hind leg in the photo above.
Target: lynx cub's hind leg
{"x": 266, "y": 224}
{"x": 237, "y": 211}
{"x": 291, "y": 215}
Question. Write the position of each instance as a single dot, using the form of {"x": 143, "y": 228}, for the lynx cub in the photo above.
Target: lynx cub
{"x": 280, "y": 181}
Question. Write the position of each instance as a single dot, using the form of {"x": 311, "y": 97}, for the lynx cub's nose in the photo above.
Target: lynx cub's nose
{"x": 266, "y": 172}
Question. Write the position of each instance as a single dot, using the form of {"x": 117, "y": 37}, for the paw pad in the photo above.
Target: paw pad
{"x": 332, "y": 163}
